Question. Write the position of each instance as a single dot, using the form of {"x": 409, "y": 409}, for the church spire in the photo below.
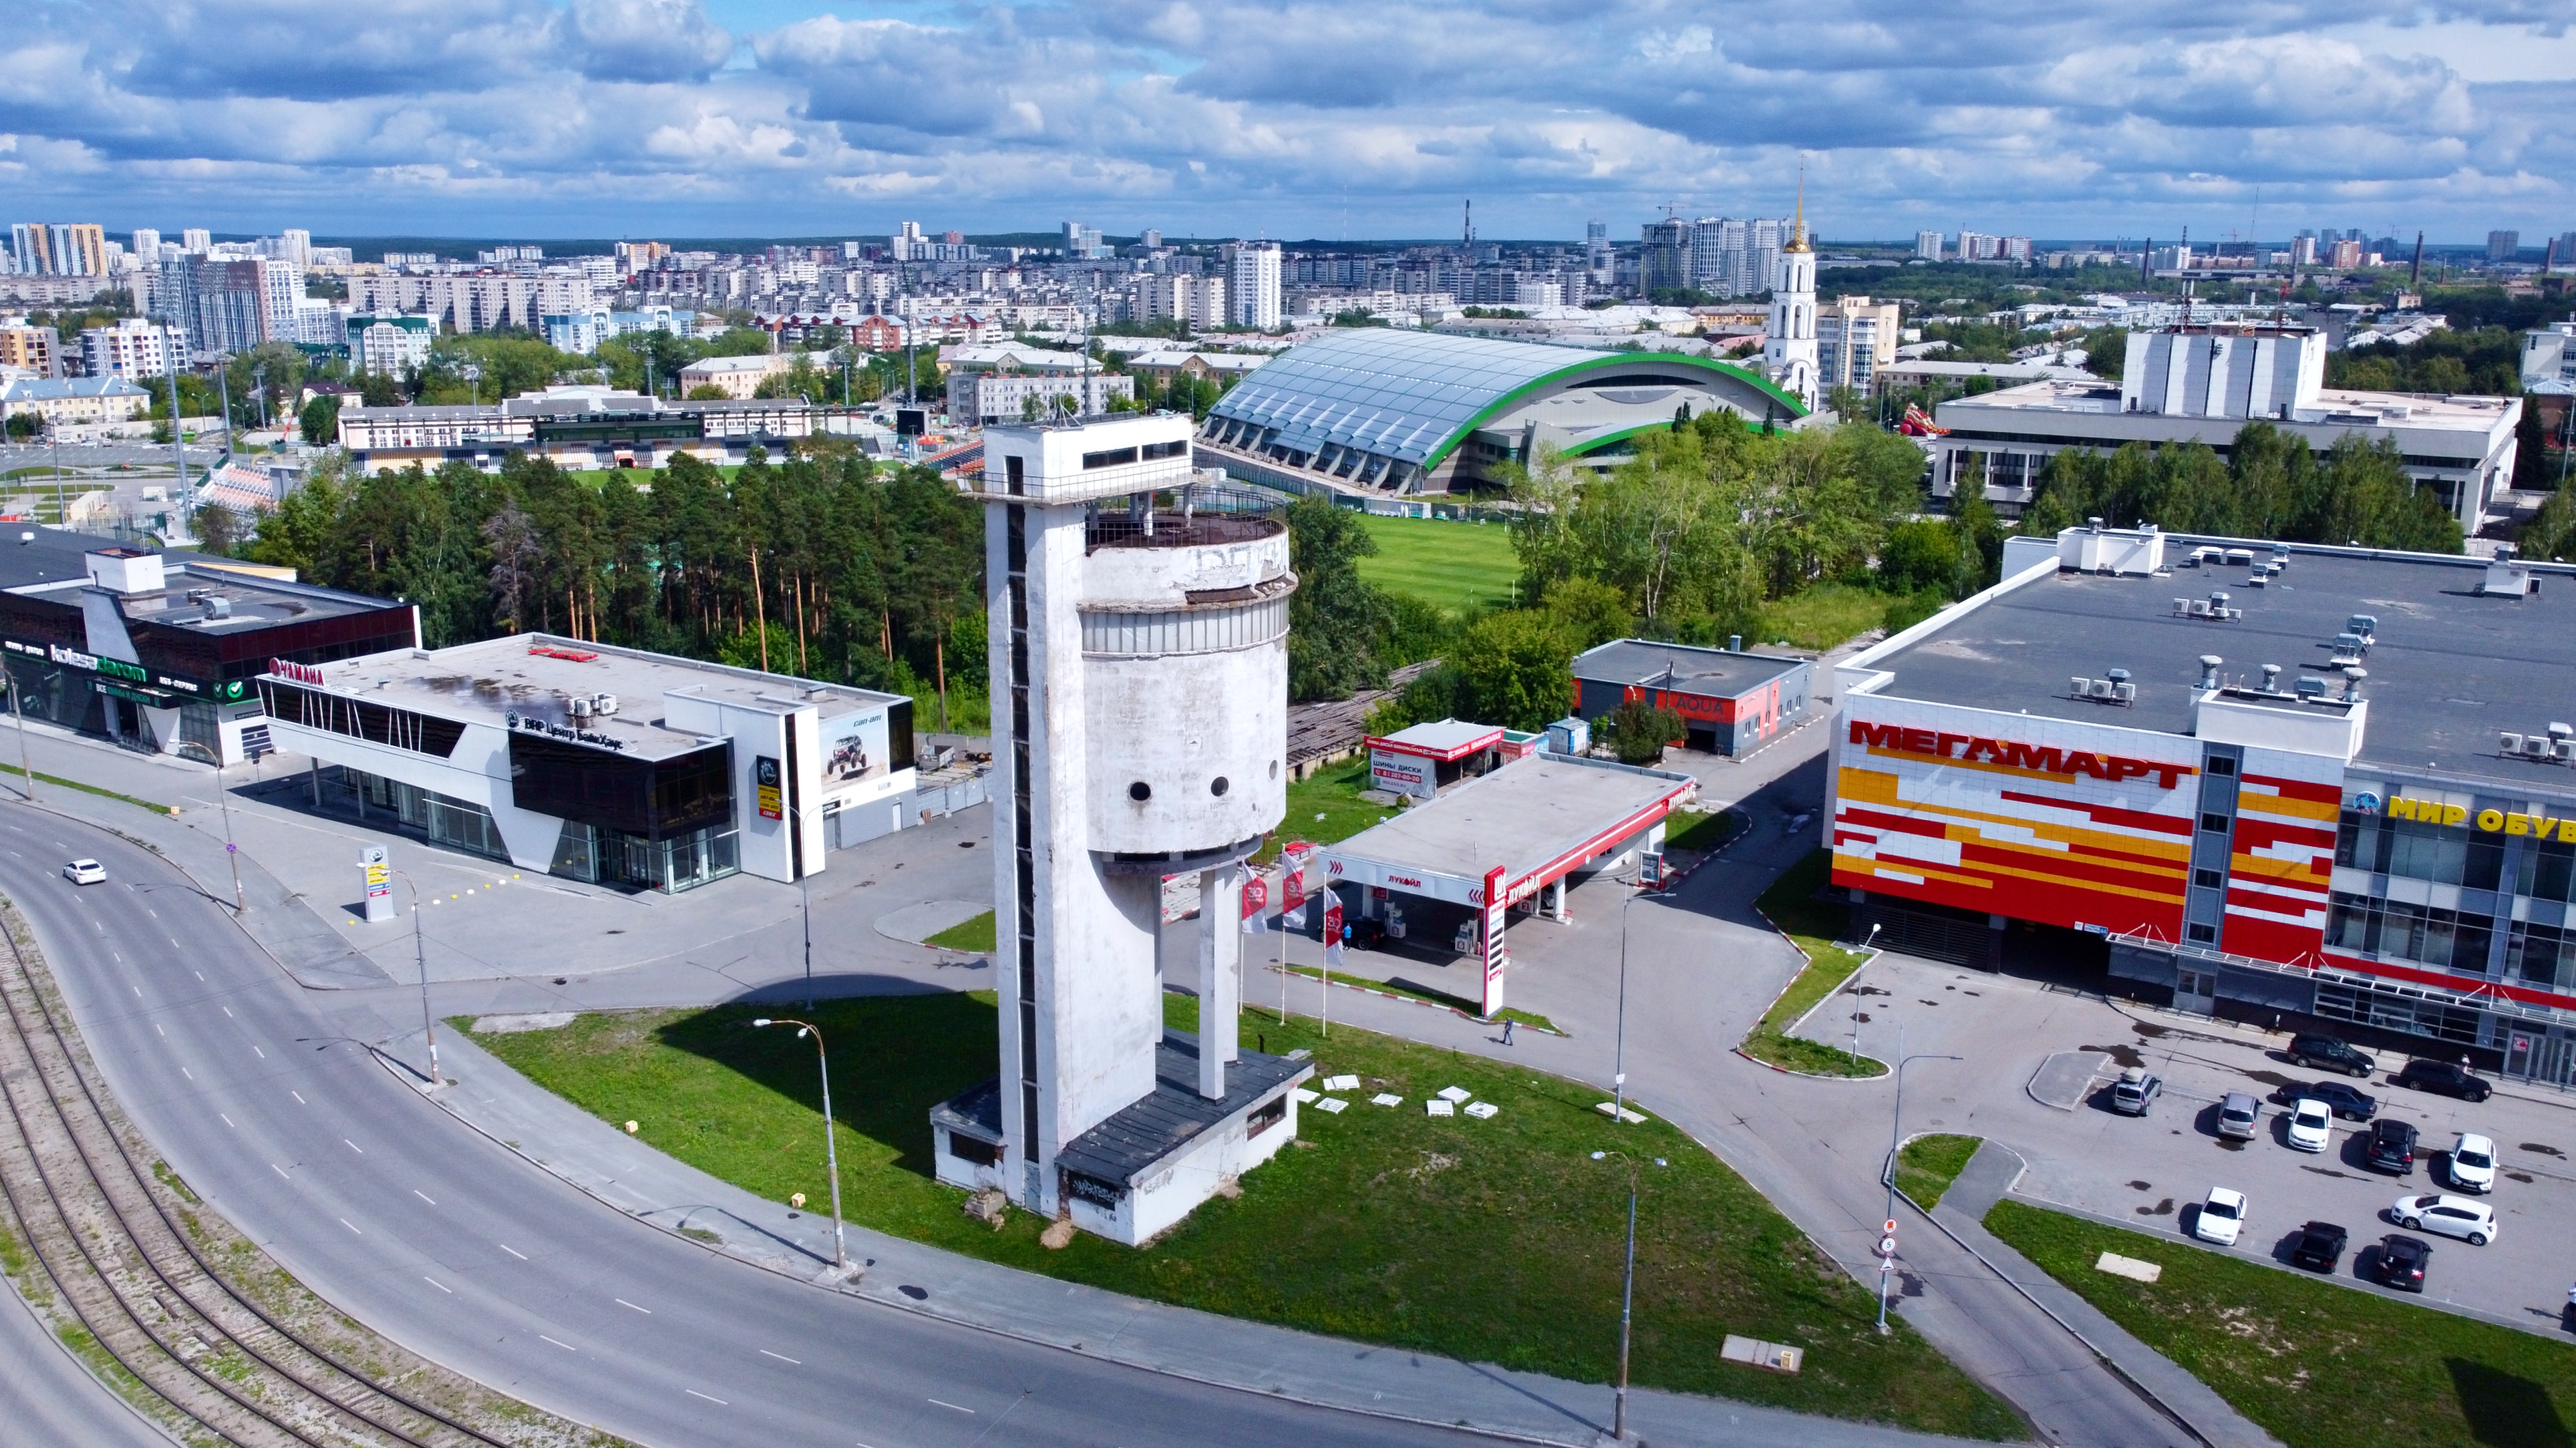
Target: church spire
{"x": 1798, "y": 238}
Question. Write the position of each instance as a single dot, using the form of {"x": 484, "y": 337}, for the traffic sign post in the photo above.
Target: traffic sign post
{"x": 1886, "y": 1267}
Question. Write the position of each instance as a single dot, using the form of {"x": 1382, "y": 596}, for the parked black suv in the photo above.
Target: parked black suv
{"x": 2320, "y": 1246}
{"x": 2444, "y": 1079}
{"x": 2391, "y": 1148}
{"x": 2325, "y": 1053}
{"x": 2402, "y": 1261}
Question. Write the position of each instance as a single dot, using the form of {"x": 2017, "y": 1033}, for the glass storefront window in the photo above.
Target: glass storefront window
{"x": 576, "y": 853}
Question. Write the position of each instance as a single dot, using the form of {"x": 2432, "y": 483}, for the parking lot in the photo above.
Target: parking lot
{"x": 2151, "y": 1172}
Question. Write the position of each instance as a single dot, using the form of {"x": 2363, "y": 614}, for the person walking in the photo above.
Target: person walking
{"x": 1507, "y": 1040}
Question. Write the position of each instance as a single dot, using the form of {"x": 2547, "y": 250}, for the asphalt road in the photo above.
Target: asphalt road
{"x": 48, "y": 1397}
{"x": 264, "y": 1098}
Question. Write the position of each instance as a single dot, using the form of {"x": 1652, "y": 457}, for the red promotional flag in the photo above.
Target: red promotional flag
{"x": 1292, "y": 879}
{"x": 1256, "y": 894}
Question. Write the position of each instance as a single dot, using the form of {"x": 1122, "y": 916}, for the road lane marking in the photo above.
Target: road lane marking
{"x": 228, "y": 1121}
{"x": 281, "y": 1171}
{"x": 567, "y": 1347}
{"x": 441, "y": 1286}
{"x": 951, "y": 1406}
{"x": 513, "y": 1251}
{"x": 782, "y": 1357}
{"x": 694, "y": 1393}
{"x": 346, "y": 1223}
{"x": 353, "y": 1146}
{"x": 622, "y": 1302}
{"x": 424, "y": 1196}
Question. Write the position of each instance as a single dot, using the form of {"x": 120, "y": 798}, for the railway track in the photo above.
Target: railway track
{"x": 118, "y": 1244}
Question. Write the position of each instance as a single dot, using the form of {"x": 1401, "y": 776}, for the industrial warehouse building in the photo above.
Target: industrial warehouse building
{"x": 2205, "y": 383}
{"x": 2317, "y": 785}
{"x": 1383, "y": 413}
{"x": 601, "y": 764}
{"x": 1730, "y": 702}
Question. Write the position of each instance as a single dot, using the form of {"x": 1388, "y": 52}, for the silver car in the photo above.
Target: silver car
{"x": 2237, "y": 1115}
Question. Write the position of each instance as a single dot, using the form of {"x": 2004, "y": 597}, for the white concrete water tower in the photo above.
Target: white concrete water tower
{"x": 1139, "y": 626}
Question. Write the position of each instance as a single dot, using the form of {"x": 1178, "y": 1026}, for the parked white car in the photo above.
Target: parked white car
{"x": 2473, "y": 1164}
{"x": 85, "y": 872}
{"x": 2471, "y": 1222}
{"x": 2221, "y": 1218}
{"x": 2311, "y": 1125}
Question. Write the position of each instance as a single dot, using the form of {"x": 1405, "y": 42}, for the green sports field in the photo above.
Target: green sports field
{"x": 1462, "y": 567}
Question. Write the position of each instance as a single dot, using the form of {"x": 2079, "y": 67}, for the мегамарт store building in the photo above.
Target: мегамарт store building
{"x": 2322, "y": 784}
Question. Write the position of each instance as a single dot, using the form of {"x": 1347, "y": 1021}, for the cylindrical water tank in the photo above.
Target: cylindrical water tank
{"x": 1185, "y": 684}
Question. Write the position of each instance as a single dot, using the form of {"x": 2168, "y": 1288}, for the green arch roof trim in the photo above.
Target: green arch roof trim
{"x": 1598, "y": 362}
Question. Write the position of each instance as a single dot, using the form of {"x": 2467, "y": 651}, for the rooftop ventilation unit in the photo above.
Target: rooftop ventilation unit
{"x": 2209, "y": 670}
{"x": 2112, "y": 688}
{"x": 2240, "y": 555}
{"x": 2366, "y": 625}
{"x": 579, "y": 707}
{"x": 2353, "y": 674}
{"x": 2311, "y": 689}
{"x": 2271, "y": 678}
{"x": 604, "y": 705}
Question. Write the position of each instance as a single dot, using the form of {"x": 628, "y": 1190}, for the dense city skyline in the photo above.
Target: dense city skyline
{"x": 764, "y": 117}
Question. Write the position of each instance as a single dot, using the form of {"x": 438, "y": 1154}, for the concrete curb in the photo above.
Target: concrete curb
{"x": 1411, "y": 1000}
{"x": 2126, "y": 1380}
{"x": 1786, "y": 986}
{"x": 410, "y": 1077}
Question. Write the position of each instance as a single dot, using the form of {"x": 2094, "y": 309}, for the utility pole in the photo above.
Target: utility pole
{"x": 178, "y": 439}
{"x": 20, "y": 719}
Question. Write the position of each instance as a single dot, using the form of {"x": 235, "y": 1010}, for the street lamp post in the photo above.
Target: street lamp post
{"x": 1627, "y": 1298}
{"x": 831, "y": 1152}
{"x": 805, "y": 908}
{"x": 1855, "y": 1051}
{"x": 232, "y": 852}
{"x": 1619, "y": 1042}
{"x": 473, "y": 373}
{"x": 1896, "y": 1125}
{"x": 420, "y": 957}
{"x": 19, "y": 718}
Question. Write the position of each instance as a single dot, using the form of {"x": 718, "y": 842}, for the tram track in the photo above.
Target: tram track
{"x": 119, "y": 1244}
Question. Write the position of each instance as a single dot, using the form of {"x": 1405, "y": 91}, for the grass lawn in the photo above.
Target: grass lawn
{"x": 1493, "y": 1241}
{"x": 1812, "y": 926}
{"x": 2319, "y": 1366}
{"x": 1928, "y": 1164}
{"x": 1326, "y": 806}
{"x": 1822, "y": 617}
{"x": 1688, "y": 829}
{"x": 1462, "y": 567}
{"x": 969, "y": 935}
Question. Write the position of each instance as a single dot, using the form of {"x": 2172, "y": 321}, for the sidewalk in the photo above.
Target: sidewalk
{"x": 636, "y": 1179}
{"x": 1990, "y": 1174}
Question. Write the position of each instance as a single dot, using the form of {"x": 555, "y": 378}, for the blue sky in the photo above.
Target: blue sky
{"x": 1289, "y": 118}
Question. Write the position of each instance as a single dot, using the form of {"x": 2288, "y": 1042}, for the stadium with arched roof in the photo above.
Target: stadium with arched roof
{"x": 1383, "y": 412}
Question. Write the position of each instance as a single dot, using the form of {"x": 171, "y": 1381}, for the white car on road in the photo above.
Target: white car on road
{"x": 2221, "y": 1218}
{"x": 2473, "y": 1167}
{"x": 2311, "y": 1125}
{"x": 85, "y": 872}
{"x": 2472, "y": 1222}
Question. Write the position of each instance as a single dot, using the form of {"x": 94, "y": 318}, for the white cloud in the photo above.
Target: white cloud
{"x": 1276, "y": 115}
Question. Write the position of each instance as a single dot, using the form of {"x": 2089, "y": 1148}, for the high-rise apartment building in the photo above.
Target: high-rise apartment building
{"x": 145, "y": 247}
{"x": 1199, "y": 301}
{"x": 1927, "y": 245}
{"x": 1665, "y": 263}
{"x": 2347, "y": 254}
{"x": 1597, "y": 257}
{"x": 30, "y": 349}
{"x": 2503, "y": 245}
{"x": 1255, "y": 293}
{"x": 58, "y": 249}
{"x": 132, "y": 348}
{"x": 196, "y": 241}
{"x": 1854, "y": 338}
